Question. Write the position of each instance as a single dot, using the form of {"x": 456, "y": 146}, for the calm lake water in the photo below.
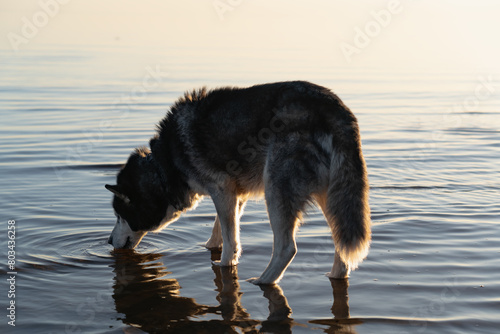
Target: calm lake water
{"x": 69, "y": 118}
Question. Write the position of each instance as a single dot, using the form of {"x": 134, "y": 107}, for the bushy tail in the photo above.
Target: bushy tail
{"x": 348, "y": 211}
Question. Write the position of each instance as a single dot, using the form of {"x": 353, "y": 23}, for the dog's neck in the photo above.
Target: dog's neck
{"x": 159, "y": 171}
{"x": 181, "y": 201}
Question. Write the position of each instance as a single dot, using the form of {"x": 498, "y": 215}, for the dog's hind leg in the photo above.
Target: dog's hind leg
{"x": 340, "y": 269}
{"x": 284, "y": 227}
{"x": 289, "y": 181}
{"x": 345, "y": 206}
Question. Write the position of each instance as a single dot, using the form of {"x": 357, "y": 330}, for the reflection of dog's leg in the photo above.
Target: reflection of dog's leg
{"x": 340, "y": 308}
{"x": 229, "y": 297}
{"x": 279, "y": 320}
{"x": 279, "y": 310}
{"x": 215, "y": 241}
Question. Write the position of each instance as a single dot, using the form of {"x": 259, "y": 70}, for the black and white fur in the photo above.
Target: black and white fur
{"x": 293, "y": 142}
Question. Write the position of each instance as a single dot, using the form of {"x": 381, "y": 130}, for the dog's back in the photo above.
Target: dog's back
{"x": 229, "y": 130}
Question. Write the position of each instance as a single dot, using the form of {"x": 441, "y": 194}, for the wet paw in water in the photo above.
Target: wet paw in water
{"x": 254, "y": 280}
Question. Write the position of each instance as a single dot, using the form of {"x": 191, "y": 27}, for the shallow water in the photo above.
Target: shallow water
{"x": 70, "y": 119}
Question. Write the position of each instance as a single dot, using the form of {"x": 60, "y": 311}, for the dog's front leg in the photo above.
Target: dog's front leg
{"x": 227, "y": 213}
{"x": 215, "y": 241}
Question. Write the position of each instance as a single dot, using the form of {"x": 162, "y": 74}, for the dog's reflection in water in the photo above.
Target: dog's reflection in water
{"x": 229, "y": 297}
{"x": 341, "y": 323}
{"x": 150, "y": 301}
{"x": 147, "y": 299}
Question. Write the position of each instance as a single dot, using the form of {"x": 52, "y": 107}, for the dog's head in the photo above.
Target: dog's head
{"x": 139, "y": 201}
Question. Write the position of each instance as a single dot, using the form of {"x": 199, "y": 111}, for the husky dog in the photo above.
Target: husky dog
{"x": 295, "y": 143}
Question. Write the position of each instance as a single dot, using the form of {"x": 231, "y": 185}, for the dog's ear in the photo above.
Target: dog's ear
{"x": 116, "y": 190}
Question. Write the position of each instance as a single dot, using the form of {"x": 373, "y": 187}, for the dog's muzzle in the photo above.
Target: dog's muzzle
{"x": 122, "y": 236}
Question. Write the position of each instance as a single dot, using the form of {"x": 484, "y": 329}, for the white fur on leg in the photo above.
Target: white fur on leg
{"x": 228, "y": 259}
{"x": 284, "y": 246}
{"x": 340, "y": 269}
{"x": 215, "y": 241}
{"x": 227, "y": 212}
{"x": 231, "y": 249}
{"x": 281, "y": 258}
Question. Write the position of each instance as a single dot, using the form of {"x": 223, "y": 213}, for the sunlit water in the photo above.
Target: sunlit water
{"x": 70, "y": 118}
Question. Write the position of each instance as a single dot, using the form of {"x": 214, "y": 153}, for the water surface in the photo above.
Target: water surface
{"x": 69, "y": 119}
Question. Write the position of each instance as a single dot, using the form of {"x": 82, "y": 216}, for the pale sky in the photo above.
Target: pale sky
{"x": 413, "y": 33}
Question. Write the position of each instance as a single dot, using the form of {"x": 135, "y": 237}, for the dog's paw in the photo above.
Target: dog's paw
{"x": 214, "y": 249}
{"x": 213, "y": 246}
{"x": 221, "y": 264}
{"x": 337, "y": 274}
{"x": 254, "y": 280}
{"x": 259, "y": 281}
